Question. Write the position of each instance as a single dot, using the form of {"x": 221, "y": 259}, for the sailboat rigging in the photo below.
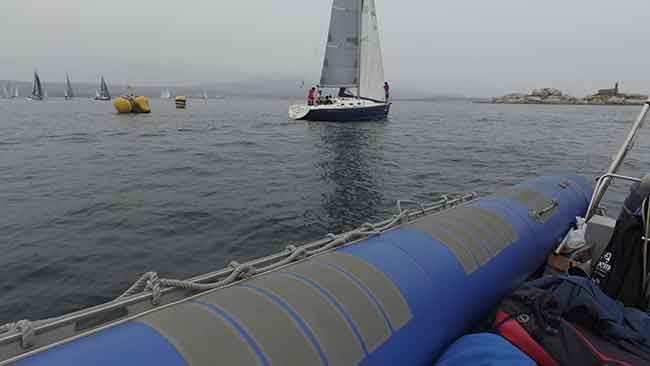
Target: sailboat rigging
{"x": 353, "y": 66}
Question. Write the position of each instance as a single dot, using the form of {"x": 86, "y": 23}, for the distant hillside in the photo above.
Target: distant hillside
{"x": 282, "y": 89}
{"x": 270, "y": 89}
{"x": 436, "y": 98}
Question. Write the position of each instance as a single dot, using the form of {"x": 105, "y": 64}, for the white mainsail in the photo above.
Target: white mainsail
{"x": 69, "y": 93}
{"x": 341, "y": 63}
{"x": 165, "y": 94}
{"x": 16, "y": 93}
{"x": 5, "y": 91}
{"x": 37, "y": 88}
{"x": 353, "y": 56}
{"x": 372, "y": 80}
{"x": 102, "y": 93}
{"x": 204, "y": 95}
{"x": 103, "y": 89}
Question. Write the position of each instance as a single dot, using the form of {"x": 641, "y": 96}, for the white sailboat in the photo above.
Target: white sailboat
{"x": 37, "y": 88}
{"x": 353, "y": 66}
{"x": 102, "y": 93}
{"x": 15, "y": 93}
{"x": 165, "y": 94}
{"x": 204, "y": 95}
{"x": 69, "y": 93}
{"x": 5, "y": 91}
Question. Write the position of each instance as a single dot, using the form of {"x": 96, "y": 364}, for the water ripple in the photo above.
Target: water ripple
{"x": 91, "y": 200}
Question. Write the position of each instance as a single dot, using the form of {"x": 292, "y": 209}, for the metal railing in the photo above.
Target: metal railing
{"x": 605, "y": 180}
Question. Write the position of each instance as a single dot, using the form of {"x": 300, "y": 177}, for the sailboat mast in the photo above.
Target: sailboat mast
{"x": 359, "y": 48}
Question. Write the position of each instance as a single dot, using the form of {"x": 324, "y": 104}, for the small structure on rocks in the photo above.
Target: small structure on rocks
{"x": 608, "y": 92}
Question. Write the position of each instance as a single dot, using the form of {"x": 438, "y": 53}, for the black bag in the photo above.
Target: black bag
{"x": 619, "y": 270}
{"x": 531, "y": 320}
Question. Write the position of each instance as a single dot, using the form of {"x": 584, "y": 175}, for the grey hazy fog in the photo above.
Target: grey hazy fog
{"x": 468, "y": 47}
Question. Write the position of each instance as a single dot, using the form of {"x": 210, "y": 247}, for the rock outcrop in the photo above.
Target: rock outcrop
{"x": 555, "y": 96}
{"x": 546, "y": 93}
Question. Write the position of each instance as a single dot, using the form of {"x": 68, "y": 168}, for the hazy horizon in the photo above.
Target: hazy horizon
{"x": 472, "y": 48}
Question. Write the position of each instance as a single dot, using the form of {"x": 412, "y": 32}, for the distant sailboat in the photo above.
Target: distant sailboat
{"x": 129, "y": 90}
{"x": 353, "y": 63}
{"x": 5, "y": 91}
{"x": 16, "y": 93}
{"x": 205, "y": 95}
{"x": 102, "y": 93}
{"x": 37, "y": 88}
{"x": 69, "y": 93}
{"x": 165, "y": 94}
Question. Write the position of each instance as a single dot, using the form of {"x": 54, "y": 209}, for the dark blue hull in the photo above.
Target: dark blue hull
{"x": 372, "y": 113}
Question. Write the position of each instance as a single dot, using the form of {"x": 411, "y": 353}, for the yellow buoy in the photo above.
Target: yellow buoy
{"x": 142, "y": 104}
{"x": 181, "y": 102}
{"x": 122, "y": 105}
{"x": 130, "y": 104}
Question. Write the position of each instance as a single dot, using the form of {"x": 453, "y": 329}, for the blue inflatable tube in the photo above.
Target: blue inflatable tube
{"x": 399, "y": 298}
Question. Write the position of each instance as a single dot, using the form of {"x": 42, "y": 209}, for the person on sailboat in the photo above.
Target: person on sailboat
{"x": 387, "y": 90}
{"x": 311, "y": 96}
{"x": 344, "y": 93}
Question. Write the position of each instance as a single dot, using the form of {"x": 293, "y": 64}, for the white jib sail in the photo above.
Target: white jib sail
{"x": 372, "y": 65}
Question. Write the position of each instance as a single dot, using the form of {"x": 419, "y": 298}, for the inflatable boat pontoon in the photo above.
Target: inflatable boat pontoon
{"x": 395, "y": 296}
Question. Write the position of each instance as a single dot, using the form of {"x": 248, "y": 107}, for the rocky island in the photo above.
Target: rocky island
{"x": 555, "y": 96}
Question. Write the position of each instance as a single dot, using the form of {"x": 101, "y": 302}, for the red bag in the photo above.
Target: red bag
{"x": 530, "y": 320}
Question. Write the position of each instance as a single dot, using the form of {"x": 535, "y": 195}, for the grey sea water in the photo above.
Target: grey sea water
{"x": 90, "y": 200}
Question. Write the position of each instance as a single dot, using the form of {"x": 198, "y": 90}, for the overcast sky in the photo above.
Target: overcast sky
{"x": 470, "y": 47}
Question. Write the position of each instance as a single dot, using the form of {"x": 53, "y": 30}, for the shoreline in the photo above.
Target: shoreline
{"x": 627, "y": 104}
{"x": 553, "y": 96}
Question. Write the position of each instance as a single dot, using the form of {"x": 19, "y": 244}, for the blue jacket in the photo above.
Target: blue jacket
{"x": 610, "y": 318}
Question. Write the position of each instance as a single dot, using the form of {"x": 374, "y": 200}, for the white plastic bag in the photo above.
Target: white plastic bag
{"x": 576, "y": 237}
